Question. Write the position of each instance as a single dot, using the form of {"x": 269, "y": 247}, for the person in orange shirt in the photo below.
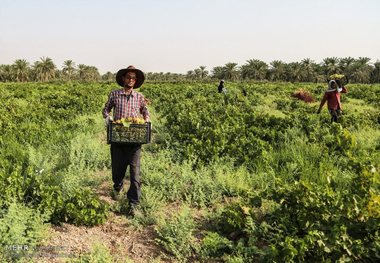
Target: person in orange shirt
{"x": 332, "y": 96}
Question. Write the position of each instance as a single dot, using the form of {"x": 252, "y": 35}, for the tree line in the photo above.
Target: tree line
{"x": 45, "y": 70}
{"x": 358, "y": 70}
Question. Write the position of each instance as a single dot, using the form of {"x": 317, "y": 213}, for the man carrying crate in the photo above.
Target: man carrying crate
{"x": 332, "y": 96}
{"x": 126, "y": 103}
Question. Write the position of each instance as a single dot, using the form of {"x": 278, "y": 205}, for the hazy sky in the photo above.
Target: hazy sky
{"x": 176, "y": 36}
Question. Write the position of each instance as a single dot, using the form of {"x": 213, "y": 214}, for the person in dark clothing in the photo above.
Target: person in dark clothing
{"x": 332, "y": 96}
{"x": 244, "y": 92}
{"x": 221, "y": 87}
{"x": 124, "y": 103}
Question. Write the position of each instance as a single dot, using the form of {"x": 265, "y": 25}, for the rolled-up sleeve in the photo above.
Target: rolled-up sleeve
{"x": 109, "y": 105}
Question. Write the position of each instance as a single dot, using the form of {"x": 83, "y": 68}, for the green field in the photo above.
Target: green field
{"x": 227, "y": 178}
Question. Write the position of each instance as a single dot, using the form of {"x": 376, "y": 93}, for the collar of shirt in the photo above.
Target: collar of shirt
{"x": 122, "y": 92}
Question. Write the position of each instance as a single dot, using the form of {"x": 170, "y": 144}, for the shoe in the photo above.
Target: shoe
{"x": 116, "y": 196}
{"x": 116, "y": 192}
{"x": 131, "y": 210}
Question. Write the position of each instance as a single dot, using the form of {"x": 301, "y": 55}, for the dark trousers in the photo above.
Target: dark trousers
{"x": 123, "y": 155}
{"x": 335, "y": 115}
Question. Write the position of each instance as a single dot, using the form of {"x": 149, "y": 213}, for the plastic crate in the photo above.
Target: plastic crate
{"x": 134, "y": 133}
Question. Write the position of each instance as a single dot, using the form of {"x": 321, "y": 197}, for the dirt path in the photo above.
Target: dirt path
{"x": 117, "y": 234}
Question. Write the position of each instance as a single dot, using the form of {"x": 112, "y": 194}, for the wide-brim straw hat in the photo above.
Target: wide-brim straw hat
{"x": 140, "y": 77}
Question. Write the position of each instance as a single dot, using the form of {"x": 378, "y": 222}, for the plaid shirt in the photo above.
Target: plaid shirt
{"x": 126, "y": 106}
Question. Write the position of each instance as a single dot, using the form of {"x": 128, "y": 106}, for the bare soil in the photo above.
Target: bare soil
{"x": 123, "y": 240}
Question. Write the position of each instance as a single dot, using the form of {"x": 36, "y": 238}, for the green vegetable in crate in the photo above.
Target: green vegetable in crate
{"x": 130, "y": 120}
{"x": 336, "y": 76}
{"x": 340, "y": 79}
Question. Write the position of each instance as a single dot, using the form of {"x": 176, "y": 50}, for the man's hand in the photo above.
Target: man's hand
{"x": 107, "y": 120}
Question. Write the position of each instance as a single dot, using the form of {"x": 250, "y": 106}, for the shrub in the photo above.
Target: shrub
{"x": 99, "y": 254}
{"x": 214, "y": 246}
{"x": 20, "y": 226}
{"x": 176, "y": 234}
{"x": 308, "y": 223}
{"x": 84, "y": 209}
{"x": 149, "y": 207}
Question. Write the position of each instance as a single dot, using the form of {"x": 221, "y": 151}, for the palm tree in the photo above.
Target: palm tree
{"x": 168, "y": 76}
{"x": 254, "y": 69}
{"x": 330, "y": 66}
{"x": 44, "y": 69}
{"x": 95, "y": 73}
{"x": 278, "y": 70}
{"x": 148, "y": 76}
{"x": 88, "y": 73}
{"x": 320, "y": 75}
{"x": 294, "y": 72}
{"x": 110, "y": 77}
{"x": 375, "y": 76}
{"x": 197, "y": 73}
{"x": 345, "y": 65}
{"x": 203, "y": 72}
{"x": 58, "y": 74}
{"x": 218, "y": 72}
{"x": 68, "y": 69}
{"x": 21, "y": 70}
{"x": 190, "y": 74}
{"x": 6, "y": 73}
{"x": 230, "y": 71}
{"x": 82, "y": 71}
{"x": 361, "y": 70}
{"x": 308, "y": 70}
